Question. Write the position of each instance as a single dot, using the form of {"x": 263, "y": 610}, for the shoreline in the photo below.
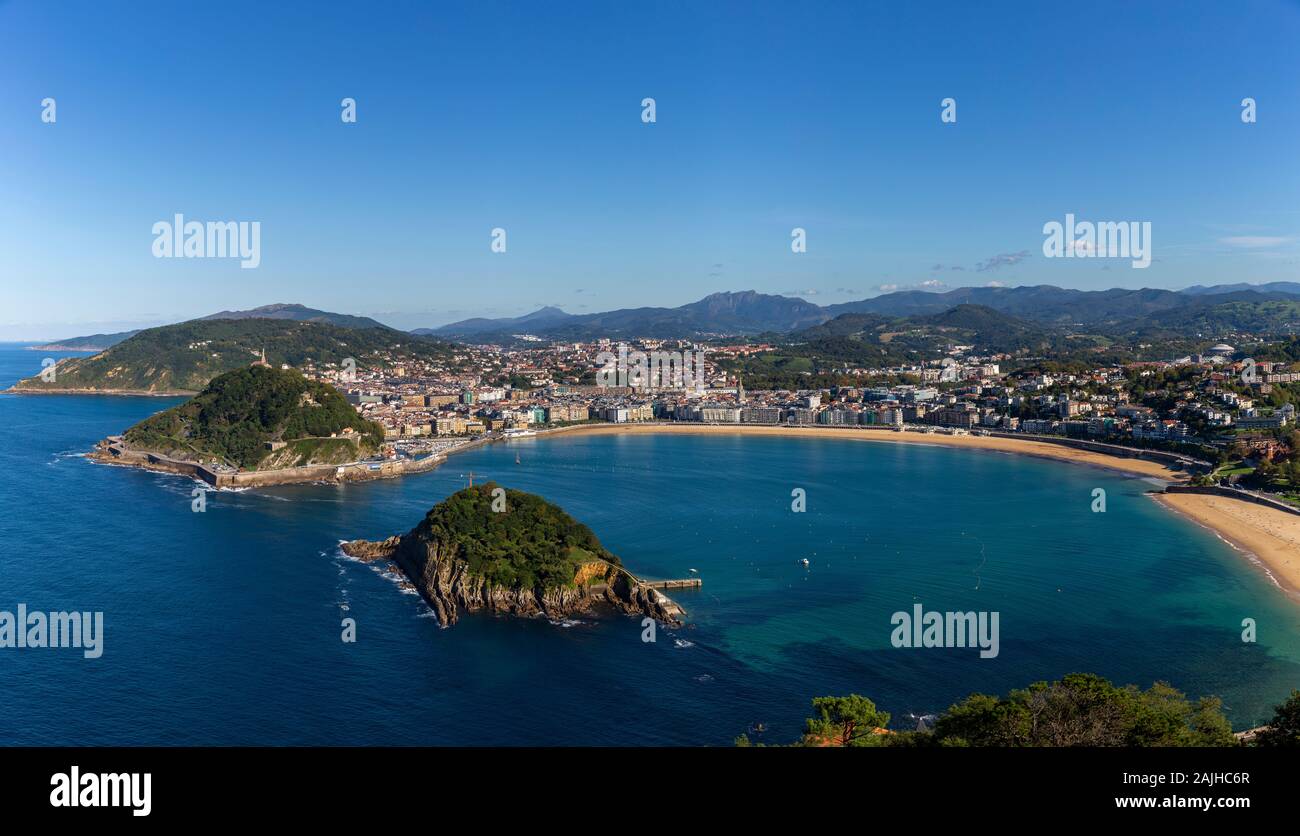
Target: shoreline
{"x": 113, "y": 453}
{"x": 1145, "y": 468}
{"x": 1268, "y": 537}
{"x": 130, "y": 393}
{"x": 1023, "y": 446}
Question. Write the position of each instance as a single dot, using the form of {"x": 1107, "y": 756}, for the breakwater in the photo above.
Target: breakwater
{"x": 114, "y": 451}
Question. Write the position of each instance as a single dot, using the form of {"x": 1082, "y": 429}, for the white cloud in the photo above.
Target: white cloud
{"x": 997, "y": 262}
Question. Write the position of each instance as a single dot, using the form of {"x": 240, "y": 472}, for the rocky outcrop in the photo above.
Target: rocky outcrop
{"x": 367, "y": 551}
{"x": 447, "y": 585}
{"x": 632, "y": 596}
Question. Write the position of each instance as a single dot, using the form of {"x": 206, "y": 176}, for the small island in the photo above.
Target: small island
{"x": 510, "y": 552}
{"x": 258, "y": 426}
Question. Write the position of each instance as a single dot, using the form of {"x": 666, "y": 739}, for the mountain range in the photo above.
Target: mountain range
{"x": 1038, "y": 320}
{"x": 744, "y": 312}
{"x": 1118, "y": 311}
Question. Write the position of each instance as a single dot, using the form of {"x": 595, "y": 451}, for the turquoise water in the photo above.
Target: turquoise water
{"x": 224, "y": 627}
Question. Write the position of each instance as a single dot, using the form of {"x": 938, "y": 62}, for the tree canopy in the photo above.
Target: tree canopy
{"x": 528, "y": 542}
{"x": 1079, "y": 709}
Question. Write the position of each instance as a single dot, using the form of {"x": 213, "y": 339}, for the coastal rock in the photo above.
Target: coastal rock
{"x": 447, "y": 585}
{"x": 366, "y": 551}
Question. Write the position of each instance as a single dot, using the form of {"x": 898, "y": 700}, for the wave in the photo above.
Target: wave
{"x": 566, "y": 622}
{"x": 1250, "y": 556}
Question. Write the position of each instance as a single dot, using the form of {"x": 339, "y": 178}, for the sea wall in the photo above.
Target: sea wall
{"x": 116, "y": 453}
{"x": 1162, "y": 456}
{"x": 1233, "y": 493}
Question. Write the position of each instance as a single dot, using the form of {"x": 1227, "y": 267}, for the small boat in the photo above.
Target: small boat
{"x": 804, "y": 561}
{"x": 693, "y": 571}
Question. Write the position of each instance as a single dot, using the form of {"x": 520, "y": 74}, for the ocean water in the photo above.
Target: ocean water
{"x": 224, "y": 627}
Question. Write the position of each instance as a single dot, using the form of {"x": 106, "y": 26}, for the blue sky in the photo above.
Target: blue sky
{"x": 526, "y": 116}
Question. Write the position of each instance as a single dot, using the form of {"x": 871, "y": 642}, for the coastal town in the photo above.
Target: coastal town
{"x": 1216, "y": 407}
{"x": 416, "y": 391}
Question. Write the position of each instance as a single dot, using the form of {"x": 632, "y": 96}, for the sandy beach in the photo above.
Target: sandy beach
{"x": 1137, "y": 467}
{"x": 1272, "y": 536}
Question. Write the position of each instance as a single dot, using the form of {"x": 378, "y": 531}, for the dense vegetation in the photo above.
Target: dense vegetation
{"x": 1276, "y": 316}
{"x": 91, "y": 342}
{"x": 1286, "y": 351}
{"x": 1284, "y": 728}
{"x": 1080, "y": 709}
{"x": 239, "y": 412}
{"x": 185, "y": 356}
{"x": 530, "y": 543}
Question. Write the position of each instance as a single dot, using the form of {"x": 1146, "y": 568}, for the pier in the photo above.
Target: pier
{"x": 680, "y": 583}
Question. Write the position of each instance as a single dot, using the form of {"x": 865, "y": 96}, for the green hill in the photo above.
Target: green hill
{"x": 1276, "y": 316}
{"x": 511, "y": 552}
{"x": 239, "y": 413}
{"x": 93, "y": 342}
{"x": 182, "y": 358}
{"x": 299, "y": 313}
{"x": 533, "y": 544}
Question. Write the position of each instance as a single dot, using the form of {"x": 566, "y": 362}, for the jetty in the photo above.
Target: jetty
{"x": 679, "y": 583}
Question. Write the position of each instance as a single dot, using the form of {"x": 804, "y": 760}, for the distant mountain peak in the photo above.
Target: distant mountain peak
{"x": 546, "y": 312}
{"x": 299, "y": 313}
